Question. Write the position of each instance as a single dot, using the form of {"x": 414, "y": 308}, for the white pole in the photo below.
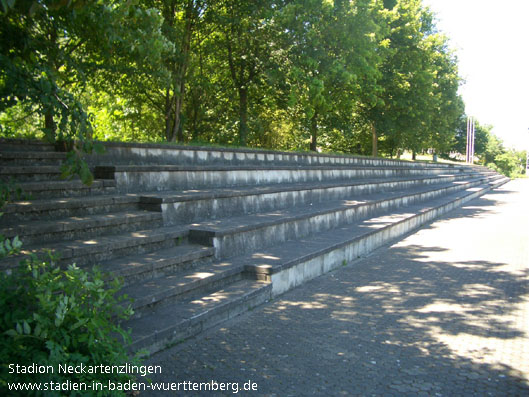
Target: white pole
{"x": 527, "y": 162}
{"x": 467, "y": 158}
{"x": 472, "y": 142}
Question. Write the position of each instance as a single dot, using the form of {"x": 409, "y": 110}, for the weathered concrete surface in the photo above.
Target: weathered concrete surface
{"x": 445, "y": 312}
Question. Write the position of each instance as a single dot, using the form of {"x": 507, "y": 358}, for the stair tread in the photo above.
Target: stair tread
{"x": 168, "y": 317}
{"x": 33, "y": 169}
{"x": 252, "y": 221}
{"x": 69, "y": 202}
{"x": 150, "y": 291}
{"x": 78, "y": 222}
{"x": 63, "y": 184}
{"x": 33, "y": 154}
{"x": 142, "y": 263}
{"x": 68, "y": 249}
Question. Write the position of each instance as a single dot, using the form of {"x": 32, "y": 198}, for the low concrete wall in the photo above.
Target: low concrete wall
{"x": 136, "y": 154}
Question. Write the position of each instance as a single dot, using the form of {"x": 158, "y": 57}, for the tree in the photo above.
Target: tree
{"x": 244, "y": 35}
{"x": 51, "y": 50}
{"x": 331, "y": 48}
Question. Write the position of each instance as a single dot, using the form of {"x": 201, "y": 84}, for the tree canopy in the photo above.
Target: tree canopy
{"x": 371, "y": 77}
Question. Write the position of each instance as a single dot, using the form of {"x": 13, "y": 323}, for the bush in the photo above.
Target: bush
{"x": 53, "y": 316}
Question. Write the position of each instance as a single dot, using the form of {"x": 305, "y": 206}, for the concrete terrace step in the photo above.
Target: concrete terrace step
{"x": 66, "y": 188}
{"x": 31, "y": 158}
{"x": 175, "y": 322}
{"x": 294, "y": 262}
{"x": 77, "y": 227}
{"x": 56, "y": 208}
{"x": 239, "y": 225}
{"x": 169, "y": 177}
{"x": 30, "y": 145}
{"x": 207, "y": 277}
{"x": 160, "y": 263}
{"x": 284, "y": 266}
{"x": 250, "y": 232}
{"x": 104, "y": 248}
{"x": 30, "y": 173}
{"x": 198, "y": 204}
{"x": 169, "y": 314}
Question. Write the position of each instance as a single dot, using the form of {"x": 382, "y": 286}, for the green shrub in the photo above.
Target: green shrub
{"x": 52, "y": 316}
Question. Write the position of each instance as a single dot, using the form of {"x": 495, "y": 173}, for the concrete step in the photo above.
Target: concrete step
{"x": 196, "y": 205}
{"x": 81, "y": 227}
{"x": 26, "y": 145}
{"x": 295, "y": 262}
{"x": 104, "y": 248}
{"x": 57, "y": 208}
{"x": 66, "y": 188}
{"x": 27, "y": 158}
{"x": 236, "y": 235}
{"x": 139, "y": 268}
{"x": 30, "y": 173}
{"x": 202, "y": 279}
{"x": 173, "y": 323}
{"x": 170, "y": 177}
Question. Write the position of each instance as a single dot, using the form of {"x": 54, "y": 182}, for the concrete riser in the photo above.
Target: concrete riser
{"x": 194, "y": 326}
{"x": 198, "y": 210}
{"x": 129, "y": 181}
{"x": 304, "y": 271}
{"x": 268, "y": 235}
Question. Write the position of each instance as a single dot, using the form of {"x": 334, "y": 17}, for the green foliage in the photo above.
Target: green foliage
{"x": 75, "y": 164}
{"x": 53, "y": 316}
{"x": 490, "y": 150}
{"x": 509, "y": 163}
{"x": 50, "y": 51}
{"x": 281, "y": 74}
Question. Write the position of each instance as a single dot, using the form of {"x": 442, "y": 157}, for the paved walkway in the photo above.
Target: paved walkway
{"x": 444, "y": 312}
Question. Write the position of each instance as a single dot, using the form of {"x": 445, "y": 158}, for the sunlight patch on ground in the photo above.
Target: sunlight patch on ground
{"x": 482, "y": 342}
{"x": 303, "y": 305}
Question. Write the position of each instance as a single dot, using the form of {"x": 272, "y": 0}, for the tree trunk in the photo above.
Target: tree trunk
{"x": 173, "y": 129}
{"x": 375, "y": 140}
{"x": 167, "y": 115}
{"x": 413, "y": 155}
{"x": 243, "y": 116}
{"x": 314, "y": 132}
{"x": 178, "y": 131}
{"x": 49, "y": 125}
